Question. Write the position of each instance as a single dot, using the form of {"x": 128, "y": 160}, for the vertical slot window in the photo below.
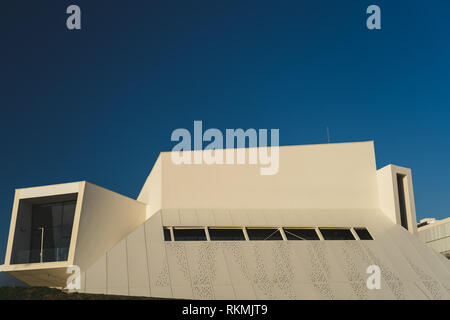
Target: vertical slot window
{"x": 401, "y": 179}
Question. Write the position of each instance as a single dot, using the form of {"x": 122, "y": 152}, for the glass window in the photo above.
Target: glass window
{"x": 336, "y": 234}
{"x": 264, "y": 234}
{"x": 185, "y": 234}
{"x": 226, "y": 234}
{"x": 301, "y": 234}
{"x": 401, "y": 180}
{"x": 43, "y": 231}
{"x": 68, "y": 211}
{"x": 167, "y": 235}
{"x": 363, "y": 234}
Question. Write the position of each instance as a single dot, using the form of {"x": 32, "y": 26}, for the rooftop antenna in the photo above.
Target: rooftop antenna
{"x": 328, "y": 134}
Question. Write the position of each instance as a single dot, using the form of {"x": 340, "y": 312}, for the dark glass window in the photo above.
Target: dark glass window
{"x": 336, "y": 234}
{"x": 300, "y": 234}
{"x": 167, "y": 235}
{"x": 264, "y": 234}
{"x": 189, "y": 234}
{"x": 216, "y": 234}
{"x": 363, "y": 234}
{"x": 43, "y": 232}
{"x": 402, "y": 201}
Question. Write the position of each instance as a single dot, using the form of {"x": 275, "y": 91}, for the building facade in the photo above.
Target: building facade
{"x": 436, "y": 234}
{"x": 315, "y": 230}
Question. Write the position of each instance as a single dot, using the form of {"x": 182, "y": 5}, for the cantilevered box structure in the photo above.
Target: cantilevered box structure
{"x": 221, "y": 231}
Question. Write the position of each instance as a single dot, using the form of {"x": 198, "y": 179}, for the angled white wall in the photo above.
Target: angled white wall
{"x": 151, "y": 192}
{"x": 106, "y": 218}
{"x": 329, "y": 176}
{"x": 277, "y": 269}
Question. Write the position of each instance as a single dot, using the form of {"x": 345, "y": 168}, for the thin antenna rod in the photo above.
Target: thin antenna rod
{"x": 328, "y": 134}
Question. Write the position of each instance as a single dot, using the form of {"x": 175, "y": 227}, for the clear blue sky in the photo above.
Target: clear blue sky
{"x": 100, "y": 104}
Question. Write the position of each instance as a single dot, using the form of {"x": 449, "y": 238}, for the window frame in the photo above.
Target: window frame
{"x": 170, "y": 233}
{"x": 281, "y": 231}
{"x": 338, "y": 228}
{"x": 301, "y": 228}
{"x": 363, "y": 228}
{"x": 277, "y": 229}
{"x": 189, "y": 228}
{"x": 225, "y": 228}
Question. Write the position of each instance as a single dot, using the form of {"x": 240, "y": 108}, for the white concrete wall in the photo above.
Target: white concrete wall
{"x": 151, "y": 191}
{"x": 437, "y": 236}
{"x": 106, "y": 218}
{"x": 330, "y": 176}
{"x": 389, "y": 197}
{"x": 387, "y": 193}
{"x": 274, "y": 269}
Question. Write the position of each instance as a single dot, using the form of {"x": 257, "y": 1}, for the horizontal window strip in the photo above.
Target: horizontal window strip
{"x": 267, "y": 233}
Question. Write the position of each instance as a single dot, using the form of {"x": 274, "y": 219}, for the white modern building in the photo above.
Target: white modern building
{"x": 226, "y": 232}
{"x": 436, "y": 234}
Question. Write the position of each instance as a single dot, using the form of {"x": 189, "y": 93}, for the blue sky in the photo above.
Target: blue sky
{"x": 99, "y": 104}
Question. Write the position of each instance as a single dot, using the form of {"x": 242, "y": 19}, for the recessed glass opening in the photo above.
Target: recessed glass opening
{"x": 401, "y": 179}
{"x": 363, "y": 234}
{"x": 337, "y": 234}
{"x": 300, "y": 234}
{"x": 229, "y": 234}
{"x": 43, "y": 230}
{"x": 189, "y": 234}
{"x": 264, "y": 234}
{"x": 167, "y": 235}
